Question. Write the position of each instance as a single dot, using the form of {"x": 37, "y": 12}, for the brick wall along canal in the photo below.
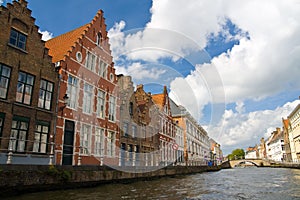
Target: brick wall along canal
{"x": 246, "y": 183}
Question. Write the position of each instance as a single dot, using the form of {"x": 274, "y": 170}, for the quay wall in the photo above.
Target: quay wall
{"x": 19, "y": 179}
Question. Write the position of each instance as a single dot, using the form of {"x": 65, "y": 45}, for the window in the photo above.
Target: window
{"x": 4, "y": 80}
{"x": 100, "y": 104}
{"x": 87, "y": 98}
{"x": 99, "y": 39}
{"x": 45, "y": 96}
{"x": 2, "y": 116}
{"x": 18, "y": 134}
{"x": 133, "y": 131}
{"x": 102, "y": 69}
{"x": 72, "y": 91}
{"x": 125, "y": 129}
{"x": 41, "y": 137}
{"x": 131, "y": 109}
{"x": 99, "y": 141}
{"x": 17, "y": 39}
{"x": 90, "y": 61}
{"x": 24, "y": 88}
{"x": 110, "y": 144}
{"x": 112, "y": 108}
{"x": 85, "y": 138}
{"x": 78, "y": 56}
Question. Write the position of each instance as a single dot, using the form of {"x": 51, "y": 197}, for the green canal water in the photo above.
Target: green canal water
{"x": 239, "y": 183}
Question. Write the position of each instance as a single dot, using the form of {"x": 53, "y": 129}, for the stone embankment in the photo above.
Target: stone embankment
{"x": 18, "y": 179}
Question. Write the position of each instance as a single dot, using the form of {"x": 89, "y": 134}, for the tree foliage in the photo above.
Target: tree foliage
{"x": 237, "y": 154}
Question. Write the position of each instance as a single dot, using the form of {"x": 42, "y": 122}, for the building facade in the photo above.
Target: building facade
{"x": 167, "y": 129}
{"x": 275, "y": 146}
{"x": 138, "y": 125}
{"x": 87, "y": 124}
{"x": 252, "y": 153}
{"x": 196, "y": 140}
{"x": 287, "y": 147}
{"x": 28, "y": 89}
{"x": 294, "y": 133}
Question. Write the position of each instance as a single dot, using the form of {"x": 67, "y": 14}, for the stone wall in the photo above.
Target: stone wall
{"x": 18, "y": 179}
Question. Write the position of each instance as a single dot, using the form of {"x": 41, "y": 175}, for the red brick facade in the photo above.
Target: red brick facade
{"x": 87, "y": 125}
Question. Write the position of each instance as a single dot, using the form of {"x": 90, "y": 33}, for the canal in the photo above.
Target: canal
{"x": 238, "y": 183}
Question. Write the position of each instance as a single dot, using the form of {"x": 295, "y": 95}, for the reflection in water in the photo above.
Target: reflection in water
{"x": 246, "y": 183}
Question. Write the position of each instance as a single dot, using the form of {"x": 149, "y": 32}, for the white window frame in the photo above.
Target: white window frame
{"x": 99, "y": 141}
{"x": 102, "y": 71}
{"x": 72, "y": 91}
{"x": 85, "y": 136}
{"x": 112, "y": 108}
{"x": 88, "y": 91}
{"x": 101, "y": 104}
{"x": 111, "y": 143}
{"x": 91, "y": 60}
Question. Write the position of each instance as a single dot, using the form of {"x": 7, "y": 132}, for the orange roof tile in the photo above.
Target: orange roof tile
{"x": 61, "y": 45}
{"x": 158, "y": 99}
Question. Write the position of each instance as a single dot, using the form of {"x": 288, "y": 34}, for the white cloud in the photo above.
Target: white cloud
{"x": 46, "y": 35}
{"x": 140, "y": 72}
{"x": 240, "y": 130}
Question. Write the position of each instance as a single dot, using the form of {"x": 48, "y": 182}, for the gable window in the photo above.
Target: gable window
{"x": 17, "y": 39}
{"x": 72, "y": 91}
{"x": 87, "y": 98}
{"x": 85, "y": 138}
{"x": 112, "y": 108}
{"x": 4, "y": 80}
{"x": 100, "y": 103}
{"x": 18, "y": 134}
{"x": 99, "y": 39}
{"x": 134, "y": 131}
{"x": 45, "y": 96}
{"x": 125, "y": 129}
{"x": 99, "y": 141}
{"x": 102, "y": 69}
{"x": 24, "y": 88}
{"x": 90, "y": 61}
{"x": 41, "y": 137}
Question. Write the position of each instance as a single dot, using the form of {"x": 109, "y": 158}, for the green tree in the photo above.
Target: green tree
{"x": 237, "y": 154}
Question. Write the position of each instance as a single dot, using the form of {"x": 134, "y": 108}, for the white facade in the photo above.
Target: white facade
{"x": 250, "y": 155}
{"x": 275, "y": 146}
{"x": 294, "y": 134}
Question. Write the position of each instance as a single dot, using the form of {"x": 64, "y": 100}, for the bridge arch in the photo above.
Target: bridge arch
{"x": 245, "y": 161}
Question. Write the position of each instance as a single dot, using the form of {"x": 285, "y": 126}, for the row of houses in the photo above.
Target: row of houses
{"x": 283, "y": 144}
{"x": 61, "y": 102}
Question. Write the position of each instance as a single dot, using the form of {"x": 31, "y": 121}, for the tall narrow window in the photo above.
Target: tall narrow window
{"x": 99, "y": 39}
{"x": 102, "y": 69}
{"x": 125, "y": 129}
{"x": 2, "y": 117}
{"x": 17, "y": 39}
{"x": 18, "y": 134}
{"x": 87, "y": 98}
{"x": 72, "y": 91}
{"x": 25, "y": 88}
{"x": 131, "y": 109}
{"x": 111, "y": 144}
{"x": 4, "y": 80}
{"x": 101, "y": 104}
{"x": 99, "y": 141}
{"x": 41, "y": 137}
{"x": 85, "y": 138}
{"x": 134, "y": 131}
{"x": 45, "y": 96}
{"x": 90, "y": 61}
{"x": 112, "y": 108}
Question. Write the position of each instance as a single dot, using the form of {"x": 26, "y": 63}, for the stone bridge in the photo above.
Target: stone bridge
{"x": 256, "y": 162}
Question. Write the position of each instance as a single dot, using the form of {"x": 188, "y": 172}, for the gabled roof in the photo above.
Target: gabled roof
{"x": 61, "y": 45}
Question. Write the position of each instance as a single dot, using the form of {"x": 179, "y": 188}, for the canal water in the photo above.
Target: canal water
{"x": 238, "y": 183}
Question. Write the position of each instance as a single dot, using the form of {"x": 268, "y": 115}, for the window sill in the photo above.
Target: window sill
{"x": 22, "y": 50}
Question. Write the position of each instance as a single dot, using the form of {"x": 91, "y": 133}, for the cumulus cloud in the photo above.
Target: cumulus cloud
{"x": 264, "y": 62}
{"x": 240, "y": 130}
{"x": 46, "y": 35}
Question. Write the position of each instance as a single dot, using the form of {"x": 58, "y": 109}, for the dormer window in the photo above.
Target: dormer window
{"x": 99, "y": 39}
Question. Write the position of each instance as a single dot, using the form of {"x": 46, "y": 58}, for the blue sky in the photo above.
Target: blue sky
{"x": 222, "y": 53}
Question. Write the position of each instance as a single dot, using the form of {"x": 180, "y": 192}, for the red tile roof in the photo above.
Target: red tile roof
{"x": 60, "y": 46}
{"x": 158, "y": 99}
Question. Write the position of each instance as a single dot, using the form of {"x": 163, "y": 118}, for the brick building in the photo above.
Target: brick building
{"x": 28, "y": 89}
{"x": 139, "y": 125}
{"x": 87, "y": 124}
{"x": 167, "y": 129}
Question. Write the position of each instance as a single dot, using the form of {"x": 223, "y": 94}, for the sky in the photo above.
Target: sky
{"x": 233, "y": 64}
